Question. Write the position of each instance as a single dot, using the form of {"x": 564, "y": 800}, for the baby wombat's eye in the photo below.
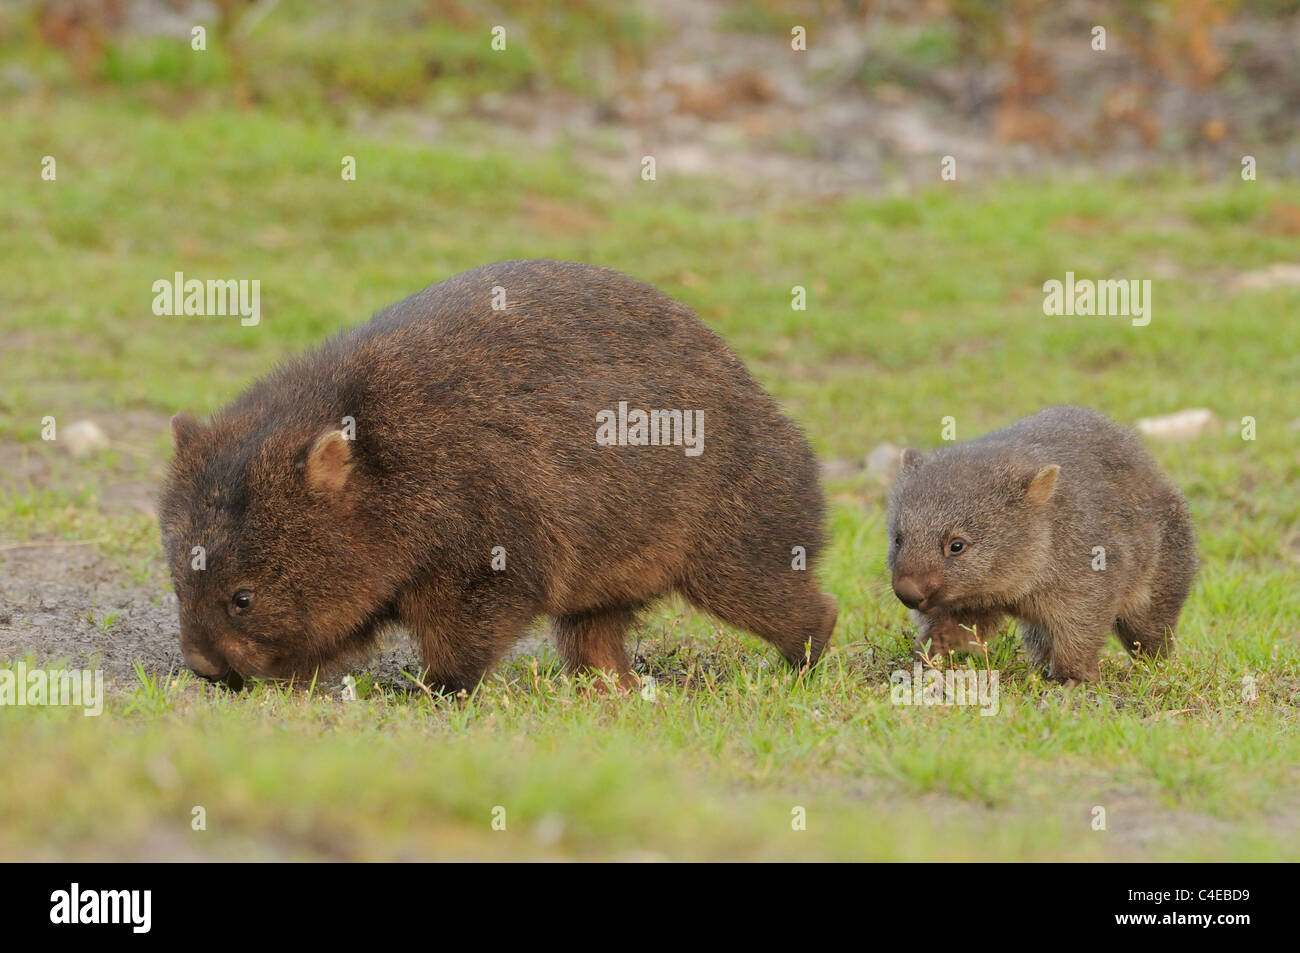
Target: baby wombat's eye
{"x": 898, "y": 540}
{"x": 241, "y": 602}
{"x": 957, "y": 546}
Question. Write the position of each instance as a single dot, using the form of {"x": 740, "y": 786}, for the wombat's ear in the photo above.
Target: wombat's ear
{"x": 1041, "y": 484}
{"x": 184, "y": 429}
{"x": 329, "y": 461}
{"x": 909, "y": 459}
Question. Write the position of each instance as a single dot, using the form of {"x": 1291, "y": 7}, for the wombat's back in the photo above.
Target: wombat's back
{"x": 1098, "y": 452}
{"x": 461, "y": 408}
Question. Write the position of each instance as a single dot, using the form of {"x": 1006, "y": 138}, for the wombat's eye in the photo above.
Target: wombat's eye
{"x": 898, "y": 540}
{"x": 957, "y": 546}
{"x": 241, "y": 601}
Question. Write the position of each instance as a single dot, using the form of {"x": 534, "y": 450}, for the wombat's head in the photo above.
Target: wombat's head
{"x": 260, "y": 531}
{"x": 967, "y": 528}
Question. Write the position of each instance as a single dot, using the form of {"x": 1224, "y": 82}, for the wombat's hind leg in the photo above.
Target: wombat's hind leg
{"x": 1038, "y": 645}
{"x": 1075, "y": 653}
{"x": 1150, "y": 632}
{"x": 786, "y": 608}
{"x": 593, "y": 641}
{"x": 1150, "y": 635}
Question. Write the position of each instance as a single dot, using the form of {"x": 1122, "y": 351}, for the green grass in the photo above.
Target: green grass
{"x": 918, "y": 308}
{"x": 713, "y": 766}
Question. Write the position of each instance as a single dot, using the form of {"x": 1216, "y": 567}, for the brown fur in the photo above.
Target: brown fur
{"x": 475, "y": 428}
{"x": 1029, "y": 502}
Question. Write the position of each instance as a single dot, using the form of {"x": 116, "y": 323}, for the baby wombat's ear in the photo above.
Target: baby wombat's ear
{"x": 1040, "y": 486}
{"x": 329, "y": 462}
{"x": 909, "y": 459}
{"x": 185, "y": 428}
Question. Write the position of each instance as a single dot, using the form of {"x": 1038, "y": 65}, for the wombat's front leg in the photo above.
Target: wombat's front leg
{"x": 459, "y": 641}
{"x": 959, "y": 633}
{"x": 593, "y": 642}
{"x": 456, "y": 657}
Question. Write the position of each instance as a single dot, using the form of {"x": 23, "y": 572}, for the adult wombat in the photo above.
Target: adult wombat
{"x": 1061, "y": 520}
{"x": 461, "y": 469}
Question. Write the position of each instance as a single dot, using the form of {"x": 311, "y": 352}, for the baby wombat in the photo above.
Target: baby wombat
{"x": 522, "y": 439}
{"x": 1060, "y": 520}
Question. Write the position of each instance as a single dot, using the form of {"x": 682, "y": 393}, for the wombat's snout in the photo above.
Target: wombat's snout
{"x": 913, "y": 591}
{"x": 208, "y": 664}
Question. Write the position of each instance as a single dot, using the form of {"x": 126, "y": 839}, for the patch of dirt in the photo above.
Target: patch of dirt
{"x": 64, "y": 604}
{"x": 61, "y": 602}
{"x": 126, "y": 473}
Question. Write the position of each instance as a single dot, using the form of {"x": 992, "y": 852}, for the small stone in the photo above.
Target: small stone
{"x": 17, "y": 78}
{"x": 883, "y": 460}
{"x": 1280, "y": 275}
{"x": 83, "y": 438}
{"x": 1182, "y": 425}
{"x": 838, "y": 469}
{"x": 549, "y": 830}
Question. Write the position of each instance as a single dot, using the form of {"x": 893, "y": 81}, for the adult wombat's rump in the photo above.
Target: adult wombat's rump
{"x": 1061, "y": 520}
{"x": 461, "y": 469}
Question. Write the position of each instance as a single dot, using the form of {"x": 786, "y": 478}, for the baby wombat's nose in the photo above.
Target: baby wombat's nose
{"x": 913, "y": 590}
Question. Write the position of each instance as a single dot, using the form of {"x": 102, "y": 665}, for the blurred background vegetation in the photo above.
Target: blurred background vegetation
{"x": 890, "y": 79}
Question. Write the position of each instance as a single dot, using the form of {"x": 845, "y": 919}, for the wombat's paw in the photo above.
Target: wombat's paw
{"x": 1070, "y": 681}
{"x": 604, "y": 683}
{"x": 945, "y": 636}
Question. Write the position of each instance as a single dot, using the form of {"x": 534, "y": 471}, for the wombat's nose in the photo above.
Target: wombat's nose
{"x": 912, "y": 591}
{"x": 204, "y": 663}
